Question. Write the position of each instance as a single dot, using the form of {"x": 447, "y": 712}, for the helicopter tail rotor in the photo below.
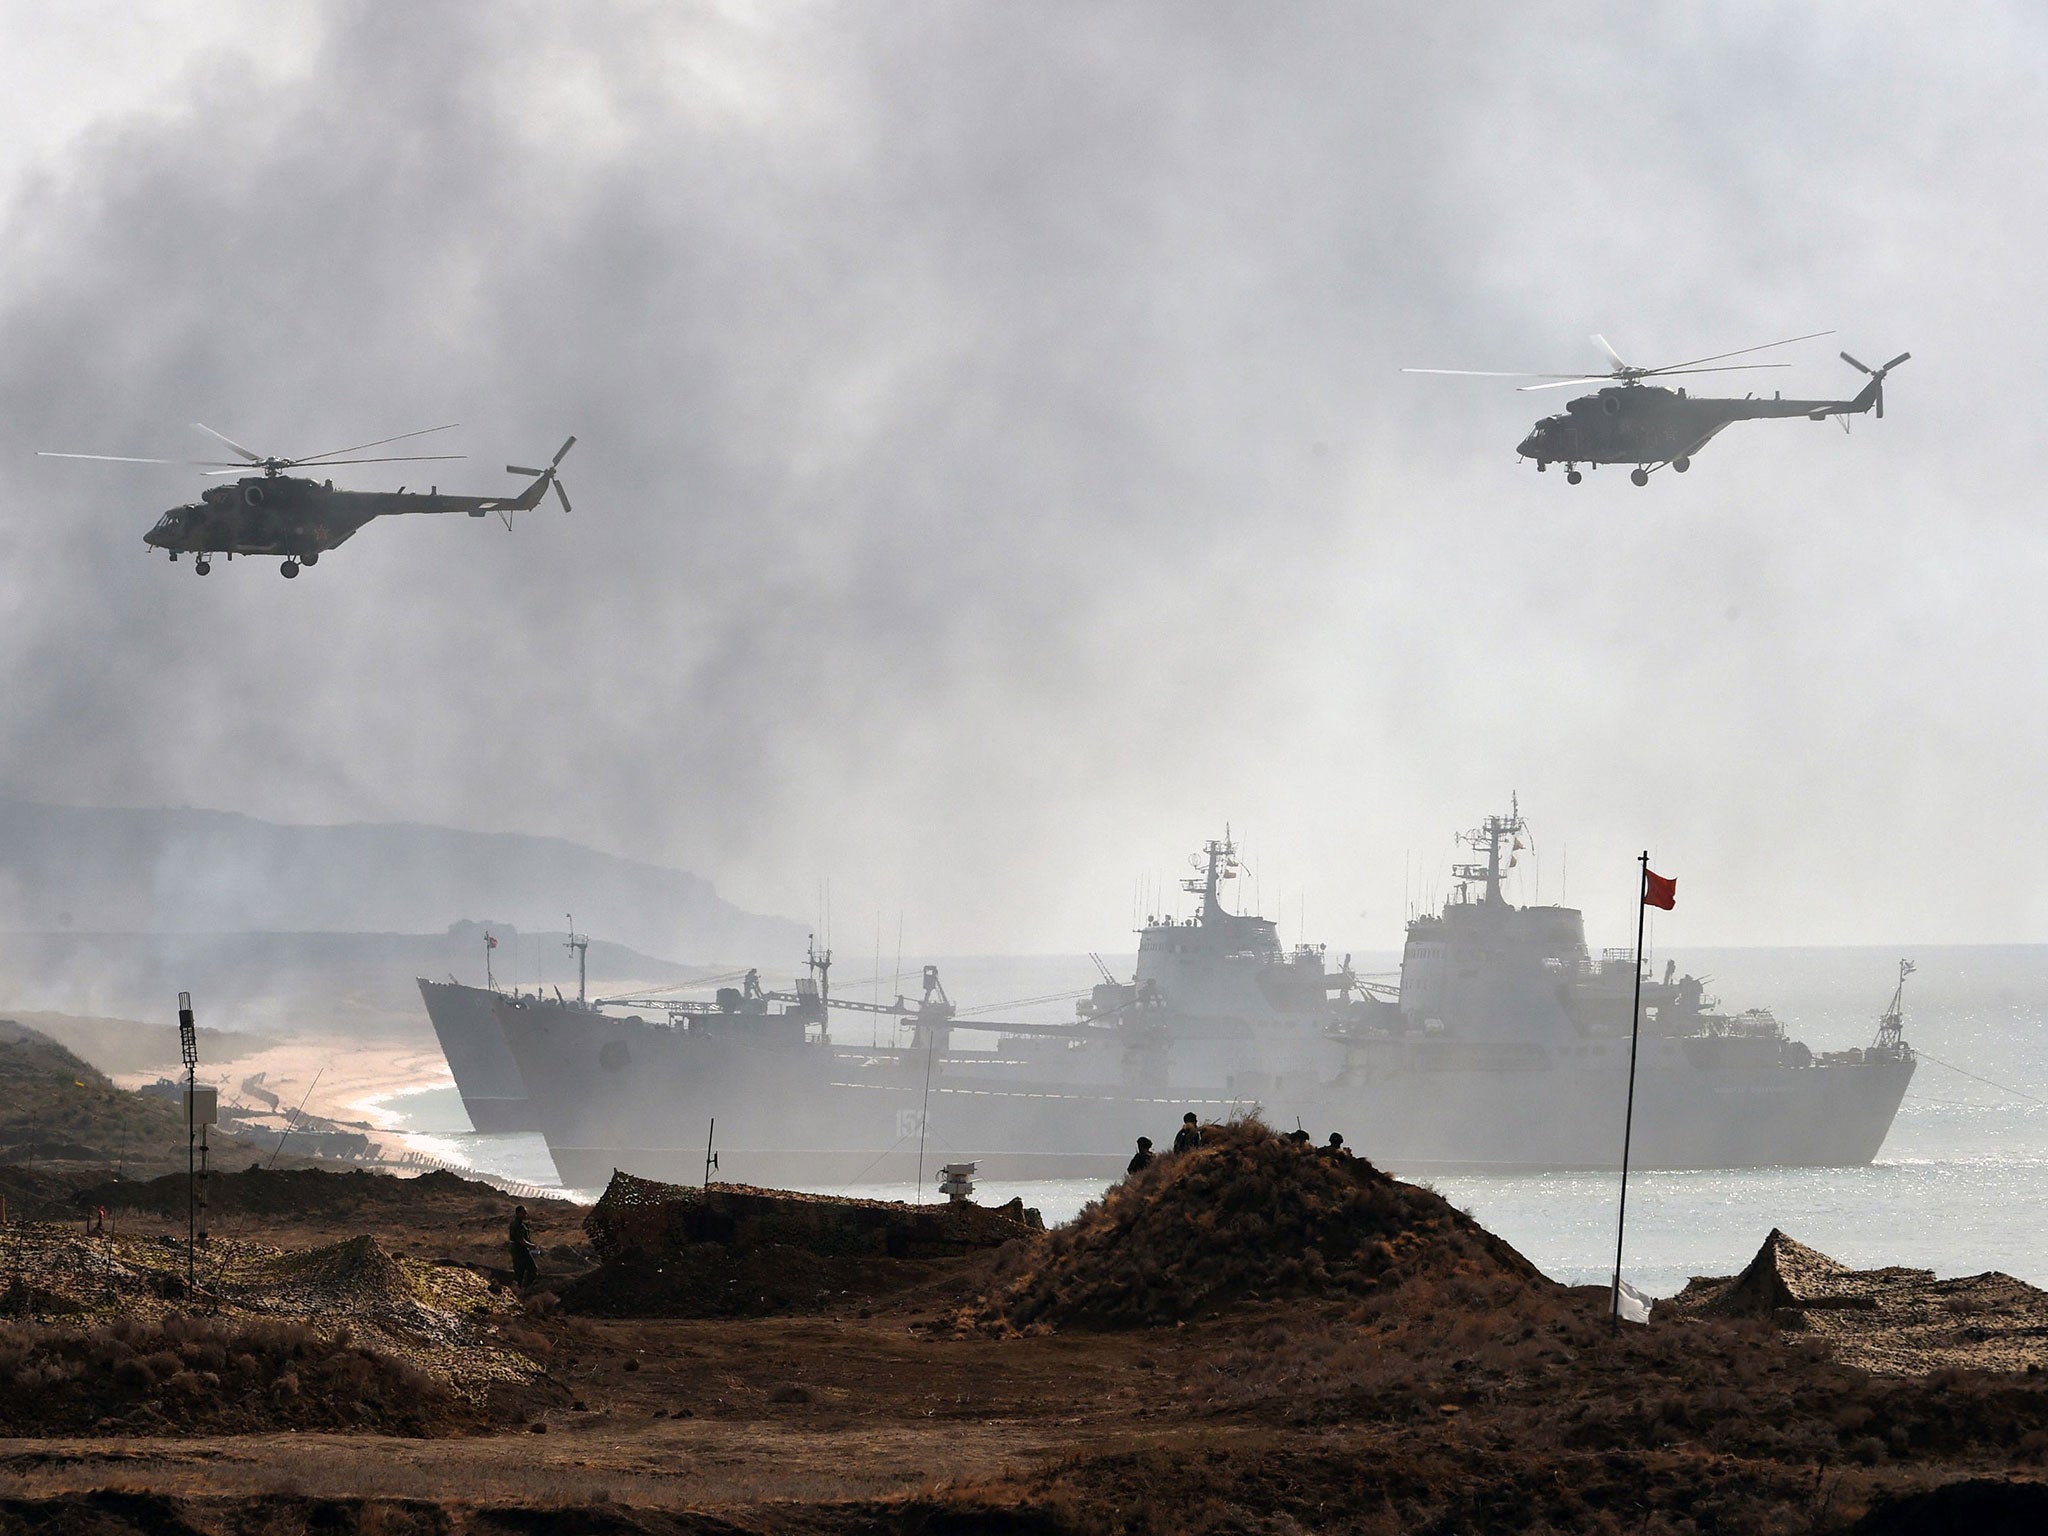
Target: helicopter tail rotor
{"x": 1873, "y": 392}
{"x": 542, "y": 479}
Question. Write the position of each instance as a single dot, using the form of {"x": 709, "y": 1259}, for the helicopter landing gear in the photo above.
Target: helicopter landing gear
{"x": 310, "y": 559}
{"x": 1640, "y": 475}
{"x": 1572, "y": 477}
{"x": 1681, "y": 463}
{"x": 201, "y": 565}
{"x": 289, "y": 569}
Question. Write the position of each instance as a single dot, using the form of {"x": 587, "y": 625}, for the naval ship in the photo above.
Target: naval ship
{"x": 1508, "y": 1046}
{"x": 1504, "y": 1046}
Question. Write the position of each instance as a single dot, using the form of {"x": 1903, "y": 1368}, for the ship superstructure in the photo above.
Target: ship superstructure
{"x": 1511, "y": 1043}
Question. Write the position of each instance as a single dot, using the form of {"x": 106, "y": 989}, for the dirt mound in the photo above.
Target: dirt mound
{"x": 1249, "y": 1216}
{"x": 176, "y": 1374}
{"x": 1891, "y": 1321}
{"x": 302, "y": 1193}
{"x": 441, "y": 1319}
{"x": 35, "y": 1193}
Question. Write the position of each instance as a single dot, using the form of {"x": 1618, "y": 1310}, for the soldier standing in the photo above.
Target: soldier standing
{"x": 524, "y": 1271}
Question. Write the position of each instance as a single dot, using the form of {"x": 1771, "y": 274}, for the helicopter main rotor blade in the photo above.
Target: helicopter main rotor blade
{"x": 1723, "y": 368}
{"x": 1601, "y": 343}
{"x": 1583, "y": 378}
{"x": 359, "y": 447}
{"x": 396, "y": 458}
{"x": 121, "y": 458}
{"x": 1488, "y": 373}
{"x": 250, "y": 454}
{"x": 1740, "y": 352}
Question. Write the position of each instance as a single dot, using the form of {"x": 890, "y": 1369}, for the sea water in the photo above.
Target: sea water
{"x": 1961, "y": 1185}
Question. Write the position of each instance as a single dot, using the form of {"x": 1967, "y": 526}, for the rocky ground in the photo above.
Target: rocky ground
{"x": 1251, "y": 1338}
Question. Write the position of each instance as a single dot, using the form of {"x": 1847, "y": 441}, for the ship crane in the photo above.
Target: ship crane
{"x": 1891, "y": 1024}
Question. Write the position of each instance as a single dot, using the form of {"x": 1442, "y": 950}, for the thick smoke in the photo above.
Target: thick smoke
{"x": 993, "y": 469}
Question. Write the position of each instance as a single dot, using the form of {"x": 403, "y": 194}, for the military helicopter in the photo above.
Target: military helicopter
{"x": 1649, "y": 426}
{"x": 274, "y": 513}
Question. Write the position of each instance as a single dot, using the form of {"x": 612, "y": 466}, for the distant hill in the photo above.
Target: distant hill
{"x": 55, "y": 1107}
{"x": 287, "y": 984}
{"x": 88, "y": 870}
{"x": 132, "y": 1045}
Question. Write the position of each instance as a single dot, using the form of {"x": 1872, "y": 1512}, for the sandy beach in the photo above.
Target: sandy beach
{"x": 332, "y": 1076}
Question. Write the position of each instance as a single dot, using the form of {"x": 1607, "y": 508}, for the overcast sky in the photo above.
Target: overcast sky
{"x": 994, "y": 469}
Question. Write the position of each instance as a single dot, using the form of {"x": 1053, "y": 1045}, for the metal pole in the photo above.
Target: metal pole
{"x": 188, "y": 1045}
{"x": 924, "y": 1115}
{"x": 1629, "y": 1115}
{"x": 709, "y": 1158}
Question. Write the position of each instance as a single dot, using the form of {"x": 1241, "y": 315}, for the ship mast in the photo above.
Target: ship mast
{"x": 819, "y": 963}
{"x": 1221, "y": 864}
{"x": 1488, "y": 838}
{"x": 580, "y": 943}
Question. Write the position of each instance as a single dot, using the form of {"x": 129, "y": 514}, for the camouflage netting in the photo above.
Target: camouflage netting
{"x": 644, "y": 1220}
{"x": 1892, "y": 1321}
{"x": 437, "y": 1318}
{"x": 1249, "y": 1216}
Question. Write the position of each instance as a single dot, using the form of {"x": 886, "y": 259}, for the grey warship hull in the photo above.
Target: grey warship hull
{"x": 1507, "y": 1048}
{"x": 641, "y": 1096}
{"x": 493, "y": 1093}
{"x": 1424, "y": 1110}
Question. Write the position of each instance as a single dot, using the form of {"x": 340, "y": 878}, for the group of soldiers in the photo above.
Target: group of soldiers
{"x": 1187, "y": 1139}
{"x": 1190, "y": 1137}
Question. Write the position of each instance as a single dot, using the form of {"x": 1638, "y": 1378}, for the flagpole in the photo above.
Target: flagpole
{"x": 1635, "y": 1022}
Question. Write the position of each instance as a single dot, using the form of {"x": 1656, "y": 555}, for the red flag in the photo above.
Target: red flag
{"x": 489, "y": 942}
{"x": 1658, "y": 891}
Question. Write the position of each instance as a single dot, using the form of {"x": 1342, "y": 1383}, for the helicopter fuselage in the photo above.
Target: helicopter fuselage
{"x": 291, "y": 516}
{"x": 1646, "y": 424}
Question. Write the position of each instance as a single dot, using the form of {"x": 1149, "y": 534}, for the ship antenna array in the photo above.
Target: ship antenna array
{"x": 1487, "y": 839}
{"x": 1217, "y": 862}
